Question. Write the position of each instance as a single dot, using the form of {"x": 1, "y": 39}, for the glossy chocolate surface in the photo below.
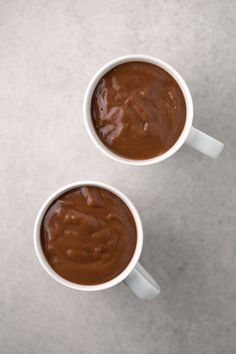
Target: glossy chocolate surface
{"x": 138, "y": 110}
{"x": 88, "y": 235}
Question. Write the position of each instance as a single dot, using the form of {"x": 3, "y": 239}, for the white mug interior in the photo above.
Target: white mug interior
{"x": 88, "y": 119}
{"x": 43, "y": 261}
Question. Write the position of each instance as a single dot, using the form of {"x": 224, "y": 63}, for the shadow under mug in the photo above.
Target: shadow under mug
{"x": 190, "y": 135}
{"x": 134, "y": 275}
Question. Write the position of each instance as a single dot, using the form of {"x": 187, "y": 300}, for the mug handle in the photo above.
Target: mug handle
{"x": 204, "y": 143}
{"x": 142, "y": 284}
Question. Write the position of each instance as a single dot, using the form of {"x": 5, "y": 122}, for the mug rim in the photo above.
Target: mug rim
{"x": 87, "y": 109}
{"x": 40, "y": 254}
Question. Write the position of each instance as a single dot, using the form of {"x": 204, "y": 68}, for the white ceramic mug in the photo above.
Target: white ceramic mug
{"x": 134, "y": 275}
{"x": 190, "y": 135}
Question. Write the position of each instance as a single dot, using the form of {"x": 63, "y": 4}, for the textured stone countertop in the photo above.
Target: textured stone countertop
{"x": 49, "y": 50}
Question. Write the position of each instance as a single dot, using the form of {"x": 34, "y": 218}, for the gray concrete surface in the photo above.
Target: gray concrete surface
{"x": 48, "y": 52}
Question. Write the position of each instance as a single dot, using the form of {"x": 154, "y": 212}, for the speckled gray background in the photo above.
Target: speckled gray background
{"x": 48, "y": 52}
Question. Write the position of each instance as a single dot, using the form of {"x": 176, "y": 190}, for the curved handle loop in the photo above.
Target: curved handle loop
{"x": 204, "y": 143}
{"x": 142, "y": 284}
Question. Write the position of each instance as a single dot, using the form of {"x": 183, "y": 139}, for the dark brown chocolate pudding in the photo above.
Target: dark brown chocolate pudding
{"x": 88, "y": 235}
{"x": 138, "y": 110}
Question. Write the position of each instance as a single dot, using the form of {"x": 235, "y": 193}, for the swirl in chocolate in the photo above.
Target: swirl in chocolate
{"x": 88, "y": 235}
{"x": 138, "y": 110}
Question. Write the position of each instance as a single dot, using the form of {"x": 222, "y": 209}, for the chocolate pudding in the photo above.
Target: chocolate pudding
{"x": 138, "y": 110}
{"x": 88, "y": 235}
